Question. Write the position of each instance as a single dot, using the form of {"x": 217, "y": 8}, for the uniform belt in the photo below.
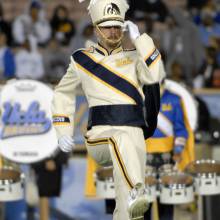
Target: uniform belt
{"x": 116, "y": 115}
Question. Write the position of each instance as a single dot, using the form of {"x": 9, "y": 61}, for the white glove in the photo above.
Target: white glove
{"x": 66, "y": 143}
{"x": 132, "y": 29}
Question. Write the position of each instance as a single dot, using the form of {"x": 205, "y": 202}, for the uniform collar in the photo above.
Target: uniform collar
{"x": 100, "y": 49}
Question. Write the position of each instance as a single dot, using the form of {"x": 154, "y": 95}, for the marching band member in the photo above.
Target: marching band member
{"x": 172, "y": 141}
{"x": 113, "y": 81}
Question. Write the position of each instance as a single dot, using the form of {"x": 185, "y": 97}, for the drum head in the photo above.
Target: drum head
{"x": 26, "y": 131}
{"x": 104, "y": 173}
{"x": 203, "y": 167}
{"x": 176, "y": 179}
{"x": 9, "y": 174}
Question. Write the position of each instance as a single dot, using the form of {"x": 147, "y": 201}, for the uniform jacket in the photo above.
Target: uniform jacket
{"x": 112, "y": 82}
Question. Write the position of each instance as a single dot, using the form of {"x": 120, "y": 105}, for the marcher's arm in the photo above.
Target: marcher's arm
{"x": 149, "y": 65}
{"x": 180, "y": 131}
{"x": 63, "y": 104}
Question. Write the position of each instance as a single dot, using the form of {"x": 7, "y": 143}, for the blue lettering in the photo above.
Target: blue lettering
{"x": 14, "y": 116}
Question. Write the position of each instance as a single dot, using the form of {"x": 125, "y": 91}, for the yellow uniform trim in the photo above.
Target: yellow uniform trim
{"x": 159, "y": 145}
{"x": 120, "y": 75}
{"x": 188, "y": 154}
{"x": 121, "y": 164}
{"x": 61, "y": 123}
{"x": 103, "y": 50}
{"x": 1, "y": 162}
{"x": 89, "y": 191}
{"x": 66, "y": 116}
{"x": 106, "y": 84}
{"x": 98, "y": 143}
{"x": 155, "y": 61}
{"x": 149, "y": 54}
{"x": 117, "y": 50}
{"x": 113, "y": 71}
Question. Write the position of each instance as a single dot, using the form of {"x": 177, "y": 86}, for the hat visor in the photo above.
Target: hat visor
{"x": 111, "y": 23}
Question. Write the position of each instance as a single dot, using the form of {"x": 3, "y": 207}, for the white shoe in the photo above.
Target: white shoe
{"x": 137, "y": 203}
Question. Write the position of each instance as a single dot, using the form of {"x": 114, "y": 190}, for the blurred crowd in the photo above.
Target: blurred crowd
{"x": 187, "y": 33}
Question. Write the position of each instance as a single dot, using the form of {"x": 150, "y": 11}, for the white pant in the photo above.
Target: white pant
{"x": 124, "y": 147}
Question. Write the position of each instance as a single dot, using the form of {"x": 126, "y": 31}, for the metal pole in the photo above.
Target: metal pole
{"x": 200, "y": 207}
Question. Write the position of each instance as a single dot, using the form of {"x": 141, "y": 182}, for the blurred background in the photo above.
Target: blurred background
{"x": 37, "y": 39}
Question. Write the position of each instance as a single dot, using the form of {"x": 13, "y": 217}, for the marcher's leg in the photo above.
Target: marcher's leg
{"x": 125, "y": 147}
{"x": 121, "y": 192}
{"x": 128, "y": 157}
{"x": 128, "y": 152}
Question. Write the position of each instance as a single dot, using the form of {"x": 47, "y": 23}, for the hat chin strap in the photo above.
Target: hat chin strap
{"x": 108, "y": 40}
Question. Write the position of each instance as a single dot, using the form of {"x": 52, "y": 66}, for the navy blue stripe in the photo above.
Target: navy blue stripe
{"x": 60, "y": 119}
{"x": 99, "y": 51}
{"x": 152, "y": 57}
{"x": 116, "y": 115}
{"x": 108, "y": 76}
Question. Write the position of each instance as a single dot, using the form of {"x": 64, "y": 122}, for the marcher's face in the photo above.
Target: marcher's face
{"x": 34, "y": 14}
{"x": 62, "y": 13}
{"x": 112, "y": 35}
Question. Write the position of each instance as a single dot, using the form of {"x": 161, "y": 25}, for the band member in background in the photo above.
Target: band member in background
{"x": 49, "y": 181}
{"x": 113, "y": 81}
{"x": 172, "y": 141}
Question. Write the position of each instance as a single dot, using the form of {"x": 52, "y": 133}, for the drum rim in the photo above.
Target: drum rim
{"x": 202, "y": 174}
{"x": 177, "y": 185}
{"x": 154, "y": 181}
{"x": 202, "y": 161}
{"x": 105, "y": 178}
{"x": 17, "y": 178}
{"x": 151, "y": 172}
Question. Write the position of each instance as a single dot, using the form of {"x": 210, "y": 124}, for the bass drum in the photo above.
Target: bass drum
{"x": 188, "y": 99}
{"x": 26, "y": 131}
